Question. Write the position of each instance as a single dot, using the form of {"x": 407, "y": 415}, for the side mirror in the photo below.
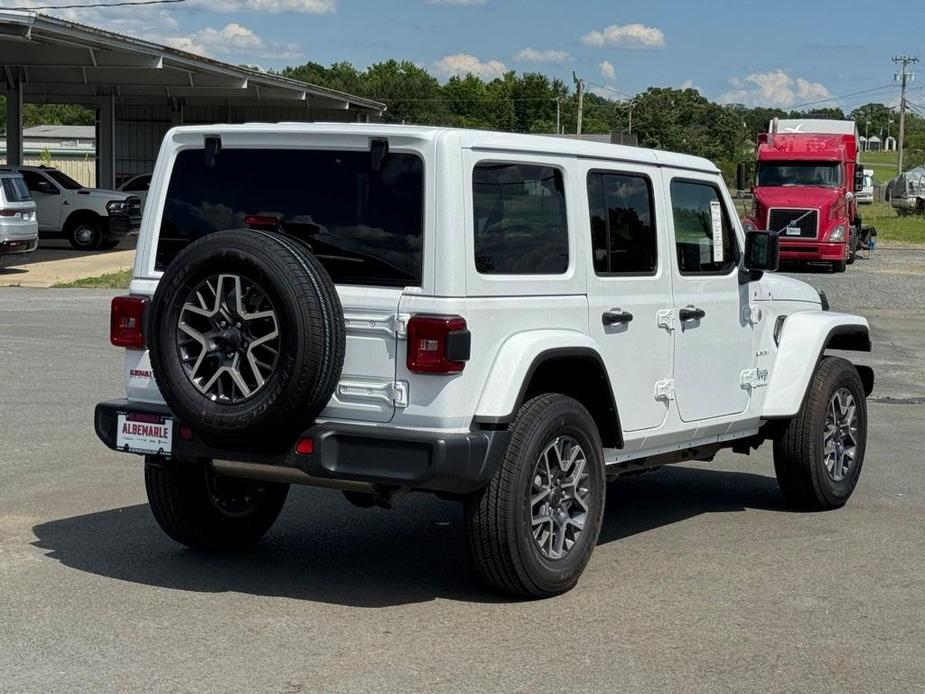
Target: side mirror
{"x": 742, "y": 176}
{"x": 47, "y": 188}
{"x": 762, "y": 251}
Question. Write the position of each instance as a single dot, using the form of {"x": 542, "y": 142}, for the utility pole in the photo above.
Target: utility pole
{"x": 558, "y": 116}
{"x": 580, "y": 86}
{"x": 904, "y": 76}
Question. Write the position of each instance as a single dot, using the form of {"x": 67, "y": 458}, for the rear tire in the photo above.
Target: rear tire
{"x": 817, "y": 460}
{"x": 853, "y": 240}
{"x": 531, "y": 531}
{"x": 204, "y": 510}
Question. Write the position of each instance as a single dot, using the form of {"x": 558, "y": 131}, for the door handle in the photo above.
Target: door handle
{"x": 616, "y": 316}
{"x": 691, "y": 313}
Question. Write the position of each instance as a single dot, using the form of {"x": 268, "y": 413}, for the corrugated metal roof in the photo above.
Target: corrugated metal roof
{"x": 62, "y": 132}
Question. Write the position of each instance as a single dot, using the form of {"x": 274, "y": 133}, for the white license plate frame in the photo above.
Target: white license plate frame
{"x": 792, "y": 231}
{"x": 144, "y": 433}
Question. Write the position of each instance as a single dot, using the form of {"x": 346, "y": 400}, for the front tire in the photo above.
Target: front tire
{"x": 839, "y": 266}
{"x": 85, "y": 234}
{"x": 531, "y": 531}
{"x": 818, "y": 457}
{"x": 204, "y": 510}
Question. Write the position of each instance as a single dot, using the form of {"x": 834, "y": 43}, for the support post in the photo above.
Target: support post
{"x": 14, "y": 122}
{"x": 106, "y": 143}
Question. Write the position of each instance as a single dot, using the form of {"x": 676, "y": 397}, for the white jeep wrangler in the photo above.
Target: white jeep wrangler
{"x": 508, "y": 320}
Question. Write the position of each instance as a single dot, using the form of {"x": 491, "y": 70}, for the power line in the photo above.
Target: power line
{"x": 840, "y": 98}
{"x": 119, "y": 3}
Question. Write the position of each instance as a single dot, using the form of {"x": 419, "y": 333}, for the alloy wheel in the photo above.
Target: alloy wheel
{"x": 228, "y": 338}
{"x": 840, "y": 435}
{"x": 560, "y": 497}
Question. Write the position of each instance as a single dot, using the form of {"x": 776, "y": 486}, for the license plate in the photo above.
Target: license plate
{"x": 792, "y": 231}
{"x": 144, "y": 433}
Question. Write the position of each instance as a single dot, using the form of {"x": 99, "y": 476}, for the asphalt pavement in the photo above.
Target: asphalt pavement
{"x": 702, "y": 580}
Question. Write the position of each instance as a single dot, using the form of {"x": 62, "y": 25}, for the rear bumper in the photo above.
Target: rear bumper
{"x": 434, "y": 461}
{"x": 809, "y": 251}
{"x": 16, "y": 246}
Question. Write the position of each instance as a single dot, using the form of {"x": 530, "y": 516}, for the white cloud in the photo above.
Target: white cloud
{"x": 532, "y": 55}
{"x": 464, "y": 63}
{"x": 272, "y": 6}
{"x": 456, "y": 2}
{"x": 689, "y": 84}
{"x": 233, "y": 40}
{"x": 773, "y": 88}
{"x": 608, "y": 72}
{"x": 626, "y": 36}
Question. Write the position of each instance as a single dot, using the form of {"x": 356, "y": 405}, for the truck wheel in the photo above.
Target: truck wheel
{"x": 85, "y": 234}
{"x": 853, "y": 237}
{"x": 839, "y": 266}
{"x": 531, "y": 531}
{"x": 204, "y": 510}
{"x": 246, "y": 338}
{"x": 818, "y": 457}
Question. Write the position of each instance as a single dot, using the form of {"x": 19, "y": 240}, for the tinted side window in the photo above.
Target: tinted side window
{"x": 14, "y": 189}
{"x": 136, "y": 184}
{"x": 520, "y": 220}
{"x": 695, "y": 206}
{"x": 33, "y": 179}
{"x": 623, "y": 235}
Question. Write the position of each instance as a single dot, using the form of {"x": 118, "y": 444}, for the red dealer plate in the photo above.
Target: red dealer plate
{"x": 144, "y": 433}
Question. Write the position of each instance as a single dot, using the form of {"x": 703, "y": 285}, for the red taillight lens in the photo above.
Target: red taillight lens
{"x": 438, "y": 344}
{"x": 8, "y": 213}
{"x": 262, "y": 221}
{"x": 305, "y": 446}
{"x": 126, "y": 320}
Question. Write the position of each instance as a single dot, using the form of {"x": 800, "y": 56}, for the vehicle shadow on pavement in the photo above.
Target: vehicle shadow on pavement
{"x": 323, "y": 549}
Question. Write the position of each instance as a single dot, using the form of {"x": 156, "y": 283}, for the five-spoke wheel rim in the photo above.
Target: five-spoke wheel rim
{"x": 840, "y": 436}
{"x": 559, "y": 497}
{"x": 84, "y": 234}
{"x": 228, "y": 338}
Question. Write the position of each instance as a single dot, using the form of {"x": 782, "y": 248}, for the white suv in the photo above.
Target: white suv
{"x": 508, "y": 320}
{"x": 19, "y": 232}
{"x": 90, "y": 218}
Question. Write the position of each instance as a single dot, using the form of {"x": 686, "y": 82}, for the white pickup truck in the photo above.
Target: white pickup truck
{"x": 506, "y": 320}
{"x": 90, "y": 218}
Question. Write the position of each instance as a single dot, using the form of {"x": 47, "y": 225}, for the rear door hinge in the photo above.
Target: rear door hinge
{"x": 664, "y": 390}
{"x": 665, "y": 318}
{"x": 394, "y": 393}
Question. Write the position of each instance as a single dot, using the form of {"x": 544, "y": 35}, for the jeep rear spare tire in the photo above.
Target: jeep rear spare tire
{"x": 246, "y": 338}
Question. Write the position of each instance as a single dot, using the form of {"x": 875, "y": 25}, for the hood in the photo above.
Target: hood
{"x": 101, "y": 194}
{"x": 782, "y": 288}
{"x": 810, "y": 197}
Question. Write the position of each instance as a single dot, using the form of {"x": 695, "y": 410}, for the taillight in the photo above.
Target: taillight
{"x": 438, "y": 344}
{"x": 8, "y": 213}
{"x": 126, "y": 320}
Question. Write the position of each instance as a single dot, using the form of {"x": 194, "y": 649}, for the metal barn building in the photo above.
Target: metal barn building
{"x": 140, "y": 89}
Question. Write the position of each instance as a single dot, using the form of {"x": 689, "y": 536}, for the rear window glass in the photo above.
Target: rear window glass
{"x": 520, "y": 220}
{"x": 15, "y": 189}
{"x": 364, "y": 225}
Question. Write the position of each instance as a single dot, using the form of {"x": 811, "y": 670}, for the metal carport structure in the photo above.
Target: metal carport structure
{"x": 140, "y": 89}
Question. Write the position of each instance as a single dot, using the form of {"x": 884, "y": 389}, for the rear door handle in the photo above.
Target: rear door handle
{"x": 691, "y": 313}
{"x": 616, "y": 316}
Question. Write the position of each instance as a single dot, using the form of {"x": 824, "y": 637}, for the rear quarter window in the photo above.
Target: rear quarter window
{"x": 15, "y": 189}
{"x": 365, "y": 225}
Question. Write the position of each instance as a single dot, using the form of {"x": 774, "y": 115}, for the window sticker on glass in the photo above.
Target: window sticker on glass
{"x": 716, "y": 216}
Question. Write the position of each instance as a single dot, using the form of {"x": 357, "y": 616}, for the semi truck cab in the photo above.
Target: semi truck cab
{"x": 806, "y": 179}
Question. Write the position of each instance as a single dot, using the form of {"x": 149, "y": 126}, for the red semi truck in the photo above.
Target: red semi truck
{"x": 806, "y": 178}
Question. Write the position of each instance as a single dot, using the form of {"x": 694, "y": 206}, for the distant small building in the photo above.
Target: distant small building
{"x": 874, "y": 144}
{"x": 71, "y": 148}
{"x": 889, "y": 145}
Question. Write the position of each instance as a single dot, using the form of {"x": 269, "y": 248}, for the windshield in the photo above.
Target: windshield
{"x": 62, "y": 179}
{"x": 364, "y": 224}
{"x": 810, "y": 173}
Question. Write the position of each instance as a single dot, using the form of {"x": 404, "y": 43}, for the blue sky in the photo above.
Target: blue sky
{"x": 780, "y": 53}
